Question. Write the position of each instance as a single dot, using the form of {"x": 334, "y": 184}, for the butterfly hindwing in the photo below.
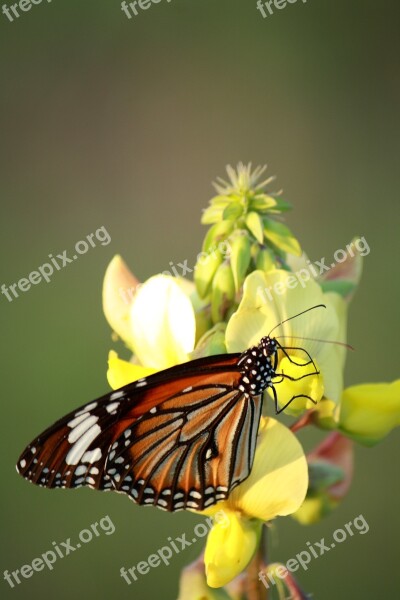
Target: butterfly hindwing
{"x": 189, "y": 451}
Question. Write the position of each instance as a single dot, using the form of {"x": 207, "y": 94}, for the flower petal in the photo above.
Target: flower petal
{"x": 277, "y": 484}
{"x": 193, "y": 585}
{"x": 119, "y": 288}
{"x": 311, "y": 386}
{"x": 163, "y": 323}
{"x": 230, "y": 547}
{"x": 121, "y": 372}
{"x": 369, "y": 412}
{"x": 269, "y": 298}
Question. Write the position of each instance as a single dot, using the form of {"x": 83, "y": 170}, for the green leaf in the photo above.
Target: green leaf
{"x": 216, "y": 233}
{"x": 281, "y": 205}
{"x": 240, "y": 259}
{"x": 233, "y": 211}
{"x": 280, "y": 236}
{"x": 255, "y": 226}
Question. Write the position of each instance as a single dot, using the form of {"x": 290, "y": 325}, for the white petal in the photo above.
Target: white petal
{"x": 163, "y": 323}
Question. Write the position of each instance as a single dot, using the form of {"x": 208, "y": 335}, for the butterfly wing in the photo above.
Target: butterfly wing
{"x": 190, "y": 451}
{"x": 186, "y": 430}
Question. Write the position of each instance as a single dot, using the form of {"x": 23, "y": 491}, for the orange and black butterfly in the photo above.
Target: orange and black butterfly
{"x": 182, "y": 438}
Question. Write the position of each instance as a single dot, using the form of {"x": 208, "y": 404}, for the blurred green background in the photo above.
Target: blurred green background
{"x": 124, "y": 123}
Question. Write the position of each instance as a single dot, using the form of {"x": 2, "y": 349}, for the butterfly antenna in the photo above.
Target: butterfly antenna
{"x": 296, "y": 337}
{"x": 295, "y": 316}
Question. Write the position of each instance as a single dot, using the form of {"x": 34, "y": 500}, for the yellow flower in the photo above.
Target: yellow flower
{"x": 268, "y": 299}
{"x": 193, "y": 585}
{"x": 121, "y": 372}
{"x": 119, "y": 288}
{"x": 276, "y": 486}
{"x": 310, "y": 386}
{"x": 156, "y": 320}
{"x": 369, "y": 412}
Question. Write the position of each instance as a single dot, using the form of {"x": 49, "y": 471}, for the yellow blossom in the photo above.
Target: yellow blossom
{"x": 276, "y": 486}
{"x": 368, "y": 412}
{"x": 156, "y": 320}
{"x": 270, "y": 298}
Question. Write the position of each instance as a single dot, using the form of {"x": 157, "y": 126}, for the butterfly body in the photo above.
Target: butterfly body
{"x": 182, "y": 438}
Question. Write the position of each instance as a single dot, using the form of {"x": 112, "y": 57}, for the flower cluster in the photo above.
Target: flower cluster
{"x": 171, "y": 320}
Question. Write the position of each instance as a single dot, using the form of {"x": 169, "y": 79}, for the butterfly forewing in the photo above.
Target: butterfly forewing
{"x": 73, "y": 451}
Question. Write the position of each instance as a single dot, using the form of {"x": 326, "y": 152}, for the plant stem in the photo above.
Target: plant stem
{"x": 303, "y": 421}
{"x": 255, "y": 590}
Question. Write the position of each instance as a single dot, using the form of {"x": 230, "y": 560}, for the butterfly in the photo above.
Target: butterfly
{"x": 182, "y": 438}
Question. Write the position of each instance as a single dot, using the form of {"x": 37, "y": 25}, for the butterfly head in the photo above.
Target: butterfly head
{"x": 268, "y": 346}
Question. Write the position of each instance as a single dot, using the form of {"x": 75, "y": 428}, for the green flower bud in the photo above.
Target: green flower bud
{"x": 265, "y": 260}
{"x": 205, "y": 270}
{"x": 216, "y": 234}
{"x": 240, "y": 259}
{"x": 223, "y": 292}
{"x": 233, "y": 211}
{"x": 211, "y": 343}
{"x": 262, "y": 203}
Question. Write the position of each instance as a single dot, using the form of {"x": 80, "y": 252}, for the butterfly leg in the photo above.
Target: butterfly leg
{"x": 291, "y": 400}
{"x": 284, "y": 348}
{"x": 277, "y": 411}
{"x": 284, "y": 376}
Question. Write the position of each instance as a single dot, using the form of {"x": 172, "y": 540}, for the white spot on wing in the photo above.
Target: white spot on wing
{"x": 77, "y": 420}
{"x": 86, "y": 409}
{"x": 141, "y": 383}
{"x": 81, "y": 428}
{"x": 75, "y": 453}
{"x": 91, "y": 456}
{"x": 112, "y": 406}
{"x": 195, "y": 494}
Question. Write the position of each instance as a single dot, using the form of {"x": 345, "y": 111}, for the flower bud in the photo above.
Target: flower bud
{"x": 223, "y": 293}
{"x": 369, "y": 412}
{"x": 240, "y": 259}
